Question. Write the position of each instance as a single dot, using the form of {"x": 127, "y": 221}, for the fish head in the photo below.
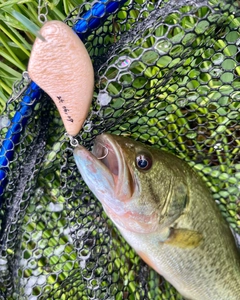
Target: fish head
{"x": 134, "y": 182}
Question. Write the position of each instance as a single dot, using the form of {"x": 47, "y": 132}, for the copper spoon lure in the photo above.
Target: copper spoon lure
{"x": 61, "y": 66}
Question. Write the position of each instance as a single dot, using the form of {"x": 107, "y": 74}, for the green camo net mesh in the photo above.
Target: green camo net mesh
{"x": 166, "y": 74}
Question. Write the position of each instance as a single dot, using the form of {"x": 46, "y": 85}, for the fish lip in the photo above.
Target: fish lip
{"x": 109, "y": 152}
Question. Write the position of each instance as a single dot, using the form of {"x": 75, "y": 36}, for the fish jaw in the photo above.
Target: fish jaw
{"x": 95, "y": 174}
{"x": 112, "y": 181}
{"x": 108, "y": 178}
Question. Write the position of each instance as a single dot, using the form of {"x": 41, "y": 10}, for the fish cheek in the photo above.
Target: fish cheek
{"x": 180, "y": 237}
{"x": 179, "y": 201}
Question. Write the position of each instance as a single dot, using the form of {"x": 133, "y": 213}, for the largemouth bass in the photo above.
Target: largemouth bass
{"x": 166, "y": 213}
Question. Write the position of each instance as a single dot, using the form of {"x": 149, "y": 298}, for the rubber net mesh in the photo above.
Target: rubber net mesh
{"x": 167, "y": 74}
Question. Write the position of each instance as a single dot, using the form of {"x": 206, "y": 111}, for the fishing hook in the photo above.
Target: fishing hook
{"x": 102, "y": 157}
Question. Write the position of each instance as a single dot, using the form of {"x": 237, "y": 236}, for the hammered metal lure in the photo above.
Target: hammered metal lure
{"x": 61, "y": 66}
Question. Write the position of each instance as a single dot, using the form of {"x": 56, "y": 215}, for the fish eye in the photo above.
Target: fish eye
{"x": 143, "y": 162}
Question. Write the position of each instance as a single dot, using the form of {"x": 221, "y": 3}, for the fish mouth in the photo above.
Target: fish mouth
{"x": 109, "y": 156}
{"x": 107, "y": 150}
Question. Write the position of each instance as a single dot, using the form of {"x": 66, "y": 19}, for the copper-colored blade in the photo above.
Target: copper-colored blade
{"x": 61, "y": 66}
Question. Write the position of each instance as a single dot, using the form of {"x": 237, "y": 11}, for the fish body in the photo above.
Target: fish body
{"x": 166, "y": 213}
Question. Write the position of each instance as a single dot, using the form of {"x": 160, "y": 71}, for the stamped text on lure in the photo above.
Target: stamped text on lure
{"x": 166, "y": 213}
